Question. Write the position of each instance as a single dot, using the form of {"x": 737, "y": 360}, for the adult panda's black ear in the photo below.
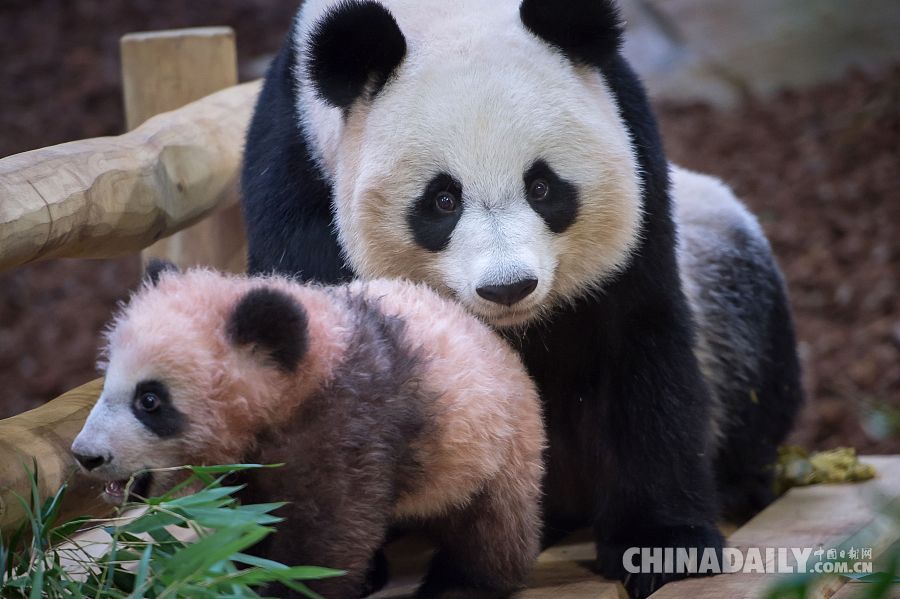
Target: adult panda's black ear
{"x": 356, "y": 44}
{"x": 155, "y": 268}
{"x": 587, "y": 31}
{"x": 273, "y": 323}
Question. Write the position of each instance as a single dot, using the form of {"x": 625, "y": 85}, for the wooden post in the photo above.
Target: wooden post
{"x": 162, "y": 71}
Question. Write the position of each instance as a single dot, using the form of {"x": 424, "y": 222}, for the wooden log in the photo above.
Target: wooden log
{"x": 161, "y": 71}
{"x": 111, "y": 196}
{"x": 45, "y": 434}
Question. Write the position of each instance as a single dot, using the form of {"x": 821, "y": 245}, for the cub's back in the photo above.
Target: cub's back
{"x": 486, "y": 416}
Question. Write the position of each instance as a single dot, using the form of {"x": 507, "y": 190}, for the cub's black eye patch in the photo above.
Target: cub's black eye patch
{"x": 434, "y": 214}
{"x": 153, "y": 406}
{"x": 552, "y": 197}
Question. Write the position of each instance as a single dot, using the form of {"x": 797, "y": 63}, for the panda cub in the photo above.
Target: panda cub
{"x": 385, "y": 402}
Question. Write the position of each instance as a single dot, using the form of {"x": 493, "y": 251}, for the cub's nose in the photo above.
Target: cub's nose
{"x": 89, "y": 462}
{"x": 508, "y": 294}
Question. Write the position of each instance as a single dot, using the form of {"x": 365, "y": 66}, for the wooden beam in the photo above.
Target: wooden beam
{"x": 45, "y": 434}
{"x": 111, "y": 196}
{"x": 161, "y": 71}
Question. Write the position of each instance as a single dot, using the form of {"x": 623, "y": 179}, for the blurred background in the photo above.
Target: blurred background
{"x": 794, "y": 104}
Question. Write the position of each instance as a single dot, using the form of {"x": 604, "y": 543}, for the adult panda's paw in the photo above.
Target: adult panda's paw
{"x": 611, "y": 557}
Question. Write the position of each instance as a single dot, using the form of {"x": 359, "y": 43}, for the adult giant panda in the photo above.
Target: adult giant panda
{"x": 505, "y": 154}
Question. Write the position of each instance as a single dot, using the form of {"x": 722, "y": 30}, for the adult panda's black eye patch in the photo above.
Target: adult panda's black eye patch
{"x": 557, "y": 202}
{"x": 434, "y": 214}
{"x": 152, "y": 405}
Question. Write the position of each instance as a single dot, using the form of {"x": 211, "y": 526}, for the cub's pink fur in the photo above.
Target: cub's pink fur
{"x": 397, "y": 405}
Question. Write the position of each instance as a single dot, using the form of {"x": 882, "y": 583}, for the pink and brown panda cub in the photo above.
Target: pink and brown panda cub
{"x": 385, "y": 402}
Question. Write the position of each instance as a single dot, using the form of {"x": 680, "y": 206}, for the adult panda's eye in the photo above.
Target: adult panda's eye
{"x": 538, "y": 190}
{"x": 445, "y": 201}
{"x": 148, "y": 402}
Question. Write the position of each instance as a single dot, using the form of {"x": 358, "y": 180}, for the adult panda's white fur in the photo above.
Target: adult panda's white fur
{"x": 417, "y": 139}
{"x": 519, "y": 103}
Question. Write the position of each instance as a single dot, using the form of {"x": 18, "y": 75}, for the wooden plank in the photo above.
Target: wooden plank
{"x": 857, "y": 590}
{"x": 45, "y": 434}
{"x": 804, "y": 517}
{"x": 561, "y": 572}
{"x": 564, "y": 572}
{"x": 824, "y": 515}
{"x": 164, "y": 70}
{"x": 111, "y": 196}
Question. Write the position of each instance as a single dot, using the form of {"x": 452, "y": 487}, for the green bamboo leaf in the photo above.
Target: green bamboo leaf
{"x": 309, "y": 573}
{"x": 151, "y": 521}
{"x": 50, "y": 510}
{"x": 301, "y": 588}
{"x": 220, "y": 545}
{"x": 206, "y": 496}
{"x": 37, "y": 581}
{"x": 262, "y": 508}
{"x": 222, "y": 518}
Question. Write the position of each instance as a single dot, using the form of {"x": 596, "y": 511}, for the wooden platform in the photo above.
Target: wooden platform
{"x": 825, "y": 515}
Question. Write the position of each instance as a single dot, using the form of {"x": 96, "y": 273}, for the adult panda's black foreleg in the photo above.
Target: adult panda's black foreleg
{"x": 656, "y": 486}
{"x": 627, "y": 416}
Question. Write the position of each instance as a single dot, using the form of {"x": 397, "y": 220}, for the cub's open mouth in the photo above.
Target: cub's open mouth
{"x": 119, "y": 491}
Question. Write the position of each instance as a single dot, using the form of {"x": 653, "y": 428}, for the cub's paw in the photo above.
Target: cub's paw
{"x": 624, "y": 562}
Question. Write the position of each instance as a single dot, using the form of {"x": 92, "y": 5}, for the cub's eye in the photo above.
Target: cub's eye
{"x": 445, "y": 201}
{"x": 538, "y": 190}
{"x": 148, "y": 402}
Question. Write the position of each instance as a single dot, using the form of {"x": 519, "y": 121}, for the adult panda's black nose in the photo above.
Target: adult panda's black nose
{"x": 508, "y": 294}
{"x": 89, "y": 462}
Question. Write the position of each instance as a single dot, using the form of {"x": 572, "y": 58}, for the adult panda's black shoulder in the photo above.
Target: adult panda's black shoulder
{"x": 287, "y": 197}
{"x": 506, "y": 154}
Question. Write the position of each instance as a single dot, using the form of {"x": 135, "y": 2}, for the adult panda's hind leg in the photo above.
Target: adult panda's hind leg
{"x": 758, "y": 413}
{"x": 487, "y": 548}
{"x": 745, "y": 338}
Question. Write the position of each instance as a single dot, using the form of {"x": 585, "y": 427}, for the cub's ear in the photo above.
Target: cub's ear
{"x": 587, "y": 31}
{"x": 155, "y": 268}
{"x": 356, "y": 43}
{"x": 273, "y": 323}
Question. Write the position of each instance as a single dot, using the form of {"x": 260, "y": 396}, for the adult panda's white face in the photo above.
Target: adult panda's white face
{"x": 488, "y": 165}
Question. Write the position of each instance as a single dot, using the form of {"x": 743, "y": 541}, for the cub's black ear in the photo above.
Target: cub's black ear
{"x": 587, "y": 31}
{"x": 156, "y": 267}
{"x": 354, "y": 44}
{"x": 274, "y": 323}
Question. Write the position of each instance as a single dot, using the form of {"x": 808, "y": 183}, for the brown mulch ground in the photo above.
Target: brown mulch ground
{"x": 818, "y": 166}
